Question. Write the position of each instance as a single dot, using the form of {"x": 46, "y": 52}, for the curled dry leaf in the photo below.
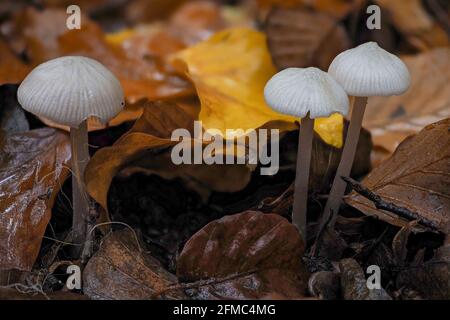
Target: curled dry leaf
{"x": 411, "y": 18}
{"x": 295, "y": 40}
{"x": 37, "y": 32}
{"x": 262, "y": 252}
{"x": 391, "y": 119}
{"x": 121, "y": 269}
{"x": 231, "y": 90}
{"x": 33, "y": 166}
{"x": 416, "y": 177}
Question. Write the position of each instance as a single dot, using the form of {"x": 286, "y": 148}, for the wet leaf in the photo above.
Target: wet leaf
{"x": 12, "y": 116}
{"x": 238, "y": 244}
{"x": 121, "y": 269}
{"x": 391, "y": 119}
{"x": 231, "y": 90}
{"x": 295, "y": 41}
{"x": 33, "y": 166}
{"x": 415, "y": 177}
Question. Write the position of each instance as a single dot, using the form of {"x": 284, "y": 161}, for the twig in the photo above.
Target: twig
{"x": 389, "y": 206}
{"x": 201, "y": 283}
{"x": 316, "y": 248}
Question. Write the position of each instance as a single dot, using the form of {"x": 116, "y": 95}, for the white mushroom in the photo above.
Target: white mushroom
{"x": 364, "y": 71}
{"x": 69, "y": 90}
{"x": 307, "y": 93}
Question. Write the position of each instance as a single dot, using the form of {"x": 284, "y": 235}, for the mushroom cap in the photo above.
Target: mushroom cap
{"x": 297, "y": 91}
{"x": 70, "y": 89}
{"x": 369, "y": 70}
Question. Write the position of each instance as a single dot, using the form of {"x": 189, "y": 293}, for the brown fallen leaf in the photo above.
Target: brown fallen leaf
{"x": 411, "y": 19}
{"x": 37, "y": 33}
{"x": 24, "y": 293}
{"x": 265, "y": 245}
{"x": 334, "y": 8}
{"x": 12, "y": 116}
{"x": 33, "y": 166}
{"x": 354, "y": 285}
{"x": 431, "y": 279}
{"x": 121, "y": 269}
{"x": 12, "y": 69}
{"x": 295, "y": 40}
{"x": 416, "y": 177}
{"x": 391, "y": 119}
{"x": 146, "y": 149}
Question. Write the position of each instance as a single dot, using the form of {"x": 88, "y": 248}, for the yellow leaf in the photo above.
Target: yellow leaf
{"x": 230, "y": 71}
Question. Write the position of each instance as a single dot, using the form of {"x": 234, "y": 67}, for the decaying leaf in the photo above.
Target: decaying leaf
{"x": 391, "y": 119}
{"x": 12, "y": 116}
{"x": 354, "y": 284}
{"x": 121, "y": 269}
{"x": 411, "y": 18}
{"x": 146, "y": 148}
{"x": 12, "y": 70}
{"x": 231, "y": 89}
{"x": 295, "y": 41}
{"x": 33, "y": 166}
{"x": 416, "y": 177}
{"x": 263, "y": 251}
{"x": 38, "y": 33}
{"x": 431, "y": 279}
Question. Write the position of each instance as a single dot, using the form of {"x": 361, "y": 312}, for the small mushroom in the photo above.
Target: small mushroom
{"x": 364, "y": 71}
{"x": 308, "y": 93}
{"x": 69, "y": 90}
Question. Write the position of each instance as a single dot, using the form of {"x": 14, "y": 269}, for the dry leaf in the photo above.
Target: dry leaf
{"x": 411, "y": 18}
{"x": 146, "y": 149}
{"x": 295, "y": 40}
{"x": 391, "y": 119}
{"x": 231, "y": 89}
{"x": 238, "y": 244}
{"x": 416, "y": 177}
{"x": 44, "y": 40}
{"x": 33, "y": 166}
{"x": 12, "y": 70}
{"x": 354, "y": 284}
{"x": 335, "y": 8}
{"x": 12, "y": 116}
{"x": 122, "y": 270}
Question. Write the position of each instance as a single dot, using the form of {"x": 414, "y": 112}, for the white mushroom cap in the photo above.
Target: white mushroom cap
{"x": 369, "y": 70}
{"x": 68, "y": 90}
{"x": 297, "y": 91}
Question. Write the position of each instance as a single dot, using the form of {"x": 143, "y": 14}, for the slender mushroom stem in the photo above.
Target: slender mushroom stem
{"x": 80, "y": 199}
{"x": 302, "y": 174}
{"x": 348, "y": 155}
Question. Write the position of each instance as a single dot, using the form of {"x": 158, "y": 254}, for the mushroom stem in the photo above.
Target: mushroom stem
{"x": 348, "y": 155}
{"x": 302, "y": 174}
{"x": 80, "y": 199}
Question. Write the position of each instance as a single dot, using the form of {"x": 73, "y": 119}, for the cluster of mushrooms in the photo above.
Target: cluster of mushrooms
{"x": 310, "y": 93}
{"x": 69, "y": 90}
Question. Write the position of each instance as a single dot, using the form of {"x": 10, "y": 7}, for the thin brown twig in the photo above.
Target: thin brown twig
{"x": 389, "y": 206}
